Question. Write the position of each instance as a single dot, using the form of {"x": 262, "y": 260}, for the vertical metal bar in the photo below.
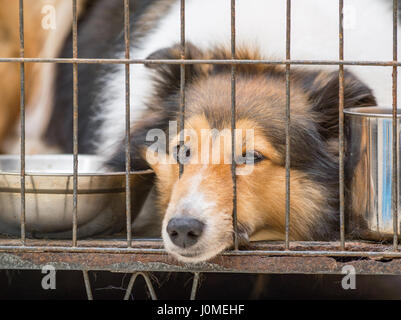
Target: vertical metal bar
{"x": 394, "y": 193}
{"x": 22, "y": 111}
{"x": 75, "y": 122}
{"x": 87, "y": 285}
{"x": 182, "y": 85}
{"x": 195, "y": 285}
{"x": 127, "y": 124}
{"x": 288, "y": 127}
{"x": 233, "y": 125}
{"x": 341, "y": 123}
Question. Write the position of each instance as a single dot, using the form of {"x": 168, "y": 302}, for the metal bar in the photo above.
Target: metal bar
{"x": 87, "y": 285}
{"x": 75, "y": 123}
{"x": 130, "y": 286}
{"x": 22, "y": 111}
{"x": 195, "y": 285}
{"x": 341, "y": 123}
{"x": 228, "y": 264}
{"x": 127, "y": 125}
{"x": 75, "y": 61}
{"x": 161, "y": 252}
{"x": 182, "y": 85}
{"x": 233, "y": 125}
{"x": 120, "y": 243}
{"x": 371, "y": 63}
{"x": 147, "y": 281}
{"x": 149, "y": 285}
{"x": 288, "y": 127}
{"x": 394, "y": 189}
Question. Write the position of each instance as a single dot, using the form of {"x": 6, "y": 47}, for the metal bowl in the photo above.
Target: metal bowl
{"x": 368, "y": 172}
{"x": 49, "y": 196}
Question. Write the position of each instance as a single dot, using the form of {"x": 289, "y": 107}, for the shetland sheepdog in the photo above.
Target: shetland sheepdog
{"x": 196, "y": 207}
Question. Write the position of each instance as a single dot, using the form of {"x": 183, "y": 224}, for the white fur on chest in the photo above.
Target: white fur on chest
{"x": 260, "y": 24}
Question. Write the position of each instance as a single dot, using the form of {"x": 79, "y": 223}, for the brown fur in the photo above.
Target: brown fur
{"x": 259, "y": 207}
{"x": 38, "y": 43}
{"x": 260, "y": 105}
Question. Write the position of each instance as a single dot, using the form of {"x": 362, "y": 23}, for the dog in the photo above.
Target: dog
{"x": 196, "y": 207}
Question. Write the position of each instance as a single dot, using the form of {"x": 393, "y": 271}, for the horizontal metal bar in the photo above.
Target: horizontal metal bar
{"x": 149, "y": 255}
{"x": 129, "y": 263}
{"x": 372, "y": 63}
{"x": 62, "y": 192}
{"x": 292, "y": 253}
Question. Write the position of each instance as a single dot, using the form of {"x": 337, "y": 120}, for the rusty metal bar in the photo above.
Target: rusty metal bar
{"x": 127, "y": 124}
{"x": 233, "y": 125}
{"x": 341, "y": 123}
{"x": 75, "y": 123}
{"x": 372, "y": 63}
{"x": 195, "y": 285}
{"x": 87, "y": 284}
{"x": 288, "y": 127}
{"x": 182, "y": 87}
{"x": 120, "y": 243}
{"x": 80, "y": 251}
{"x": 394, "y": 189}
{"x": 128, "y": 263}
{"x": 22, "y": 111}
{"x": 271, "y": 251}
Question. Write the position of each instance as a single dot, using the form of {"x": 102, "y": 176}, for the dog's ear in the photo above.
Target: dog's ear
{"x": 168, "y": 76}
{"x": 323, "y": 91}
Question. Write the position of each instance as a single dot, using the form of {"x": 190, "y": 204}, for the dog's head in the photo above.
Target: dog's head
{"x": 198, "y": 206}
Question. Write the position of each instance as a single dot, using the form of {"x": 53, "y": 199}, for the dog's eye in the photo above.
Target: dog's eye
{"x": 182, "y": 153}
{"x": 253, "y": 156}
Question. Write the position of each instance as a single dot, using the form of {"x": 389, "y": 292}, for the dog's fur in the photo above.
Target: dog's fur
{"x": 9, "y": 48}
{"x": 205, "y": 191}
{"x": 39, "y": 78}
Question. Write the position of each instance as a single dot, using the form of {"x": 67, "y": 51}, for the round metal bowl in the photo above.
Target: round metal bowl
{"x": 49, "y": 196}
{"x": 368, "y": 172}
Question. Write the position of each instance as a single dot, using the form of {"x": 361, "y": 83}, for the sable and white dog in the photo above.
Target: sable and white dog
{"x": 196, "y": 209}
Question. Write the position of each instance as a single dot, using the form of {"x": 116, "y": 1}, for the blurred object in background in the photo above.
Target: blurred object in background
{"x": 46, "y": 25}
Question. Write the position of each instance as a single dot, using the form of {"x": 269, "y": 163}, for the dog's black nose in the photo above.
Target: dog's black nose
{"x": 184, "y": 232}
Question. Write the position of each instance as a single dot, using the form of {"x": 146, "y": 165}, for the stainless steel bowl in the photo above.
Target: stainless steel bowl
{"x": 49, "y": 196}
{"x": 368, "y": 172}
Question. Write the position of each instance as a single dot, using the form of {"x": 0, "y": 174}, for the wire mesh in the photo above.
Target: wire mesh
{"x": 135, "y": 247}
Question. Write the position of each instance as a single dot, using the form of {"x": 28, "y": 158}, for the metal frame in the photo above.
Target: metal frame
{"x": 140, "y": 257}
